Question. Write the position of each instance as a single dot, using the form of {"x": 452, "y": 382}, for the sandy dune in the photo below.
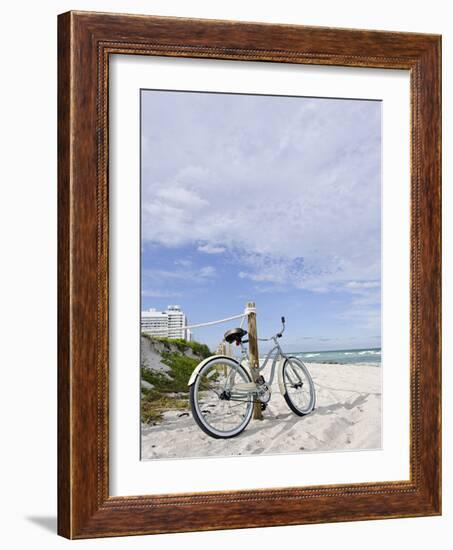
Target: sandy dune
{"x": 347, "y": 416}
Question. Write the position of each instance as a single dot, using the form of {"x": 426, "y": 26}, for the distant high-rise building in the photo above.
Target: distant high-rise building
{"x": 168, "y": 324}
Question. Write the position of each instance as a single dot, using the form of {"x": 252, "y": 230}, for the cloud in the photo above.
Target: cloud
{"x": 317, "y": 274}
{"x": 288, "y": 189}
{"x": 151, "y": 293}
{"x": 207, "y": 272}
{"x": 184, "y": 262}
{"x": 359, "y": 285}
{"x": 368, "y": 319}
{"x": 181, "y": 273}
{"x": 175, "y": 196}
{"x": 211, "y": 248}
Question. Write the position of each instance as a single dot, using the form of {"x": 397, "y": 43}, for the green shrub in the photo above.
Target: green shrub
{"x": 181, "y": 367}
{"x": 170, "y": 390}
{"x": 182, "y": 346}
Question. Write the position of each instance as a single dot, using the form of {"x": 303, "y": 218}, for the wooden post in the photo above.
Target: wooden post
{"x": 254, "y": 356}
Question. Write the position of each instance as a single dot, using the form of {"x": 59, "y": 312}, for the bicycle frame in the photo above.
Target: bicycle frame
{"x": 276, "y": 353}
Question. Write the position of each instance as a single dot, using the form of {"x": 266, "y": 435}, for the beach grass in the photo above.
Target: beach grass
{"x": 168, "y": 390}
{"x": 183, "y": 346}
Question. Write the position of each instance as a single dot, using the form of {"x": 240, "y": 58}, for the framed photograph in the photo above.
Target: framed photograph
{"x": 249, "y": 275}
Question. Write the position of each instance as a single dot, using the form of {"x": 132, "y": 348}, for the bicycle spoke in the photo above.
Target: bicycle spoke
{"x": 218, "y": 410}
{"x": 299, "y": 389}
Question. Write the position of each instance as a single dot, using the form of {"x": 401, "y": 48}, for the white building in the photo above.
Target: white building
{"x": 168, "y": 324}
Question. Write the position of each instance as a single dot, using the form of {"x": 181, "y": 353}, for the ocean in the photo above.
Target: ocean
{"x": 370, "y": 356}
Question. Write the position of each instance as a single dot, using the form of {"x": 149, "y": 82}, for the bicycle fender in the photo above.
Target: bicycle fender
{"x": 202, "y": 364}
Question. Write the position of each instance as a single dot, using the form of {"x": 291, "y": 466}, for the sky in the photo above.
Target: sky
{"x": 270, "y": 199}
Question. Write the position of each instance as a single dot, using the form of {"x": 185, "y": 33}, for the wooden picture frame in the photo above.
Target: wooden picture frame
{"x": 85, "y": 42}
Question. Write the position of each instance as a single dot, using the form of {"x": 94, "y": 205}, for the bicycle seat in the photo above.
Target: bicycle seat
{"x": 234, "y": 335}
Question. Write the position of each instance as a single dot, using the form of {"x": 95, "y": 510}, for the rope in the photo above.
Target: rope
{"x": 242, "y": 316}
{"x": 215, "y": 322}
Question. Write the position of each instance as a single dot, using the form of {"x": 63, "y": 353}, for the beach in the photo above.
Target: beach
{"x": 347, "y": 417}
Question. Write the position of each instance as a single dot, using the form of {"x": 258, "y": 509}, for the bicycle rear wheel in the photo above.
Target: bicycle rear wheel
{"x": 222, "y": 407}
{"x": 299, "y": 388}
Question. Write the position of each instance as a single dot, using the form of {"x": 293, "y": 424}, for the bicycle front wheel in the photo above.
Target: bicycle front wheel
{"x": 299, "y": 389}
{"x": 221, "y": 398}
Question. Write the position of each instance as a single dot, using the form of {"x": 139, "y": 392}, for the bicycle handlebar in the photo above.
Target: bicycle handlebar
{"x": 278, "y": 335}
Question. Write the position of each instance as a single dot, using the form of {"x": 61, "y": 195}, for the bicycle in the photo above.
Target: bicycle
{"x": 222, "y": 392}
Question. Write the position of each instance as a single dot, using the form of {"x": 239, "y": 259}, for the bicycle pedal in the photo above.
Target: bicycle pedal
{"x": 263, "y": 406}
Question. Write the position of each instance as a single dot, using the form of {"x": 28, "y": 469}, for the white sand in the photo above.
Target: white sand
{"x": 347, "y": 416}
